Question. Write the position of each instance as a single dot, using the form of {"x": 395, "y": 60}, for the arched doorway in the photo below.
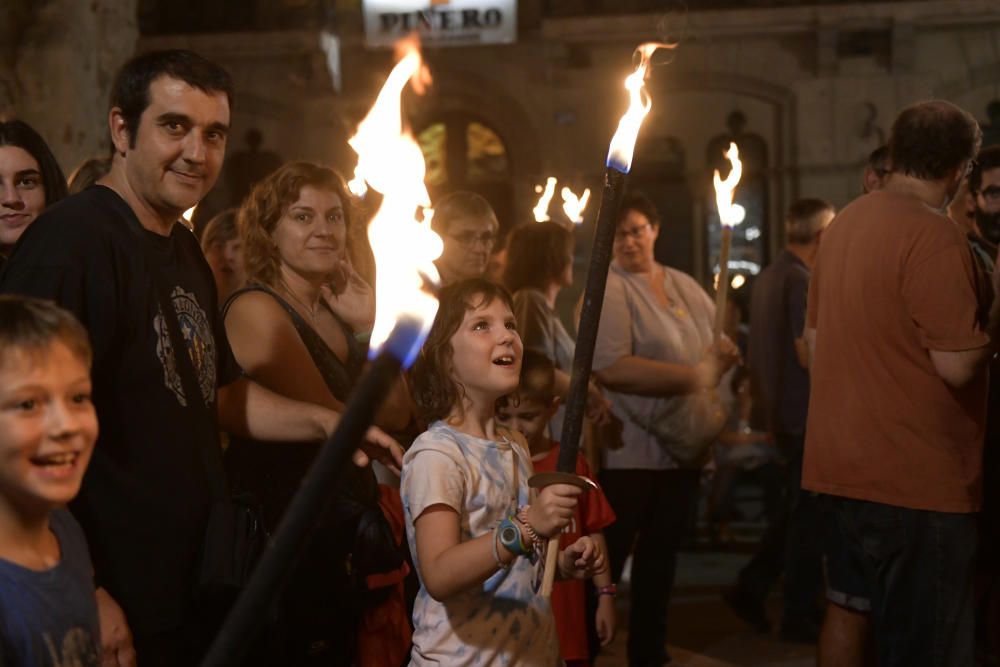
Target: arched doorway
{"x": 463, "y": 152}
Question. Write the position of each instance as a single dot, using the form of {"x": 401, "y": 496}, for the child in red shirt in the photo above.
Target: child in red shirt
{"x": 529, "y": 411}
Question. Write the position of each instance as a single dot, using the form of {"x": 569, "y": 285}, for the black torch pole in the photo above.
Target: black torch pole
{"x": 302, "y": 515}
{"x": 586, "y": 340}
{"x": 590, "y": 318}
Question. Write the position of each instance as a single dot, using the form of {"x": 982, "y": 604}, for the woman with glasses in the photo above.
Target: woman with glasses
{"x": 655, "y": 356}
{"x": 468, "y": 226}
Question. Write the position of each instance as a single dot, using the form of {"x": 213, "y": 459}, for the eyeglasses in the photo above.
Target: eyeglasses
{"x": 470, "y": 239}
{"x": 633, "y": 233}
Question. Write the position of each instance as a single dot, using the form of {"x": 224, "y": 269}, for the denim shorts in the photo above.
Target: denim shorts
{"x": 918, "y": 568}
{"x": 845, "y": 577}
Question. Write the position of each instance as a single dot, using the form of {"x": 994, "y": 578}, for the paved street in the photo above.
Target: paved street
{"x": 703, "y": 632}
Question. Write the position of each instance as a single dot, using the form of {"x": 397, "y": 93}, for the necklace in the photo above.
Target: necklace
{"x": 311, "y": 313}
{"x": 672, "y": 305}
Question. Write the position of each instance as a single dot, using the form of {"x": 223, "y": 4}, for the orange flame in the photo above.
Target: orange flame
{"x": 623, "y": 143}
{"x": 574, "y": 206}
{"x": 405, "y": 247}
{"x": 541, "y": 210}
{"x": 730, "y": 214}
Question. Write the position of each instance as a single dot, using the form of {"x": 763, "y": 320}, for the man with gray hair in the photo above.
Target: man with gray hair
{"x": 780, "y": 383}
{"x": 900, "y": 328}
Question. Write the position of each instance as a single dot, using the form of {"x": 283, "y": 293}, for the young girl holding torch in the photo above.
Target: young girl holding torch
{"x": 471, "y": 520}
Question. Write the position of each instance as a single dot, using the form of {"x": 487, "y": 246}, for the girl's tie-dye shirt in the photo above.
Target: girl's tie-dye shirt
{"x": 503, "y": 621}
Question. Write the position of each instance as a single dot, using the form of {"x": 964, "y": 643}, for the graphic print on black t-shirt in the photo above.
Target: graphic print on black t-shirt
{"x": 197, "y": 338}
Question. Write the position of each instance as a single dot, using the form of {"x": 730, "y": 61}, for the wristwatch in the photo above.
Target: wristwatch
{"x": 510, "y": 536}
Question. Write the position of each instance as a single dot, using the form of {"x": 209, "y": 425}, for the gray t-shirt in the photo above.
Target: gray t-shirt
{"x": 503, "y": 621}
{"x": 49, "y": 618}
{"x": 541, "y": 330}
{"x": 634, "y": 323}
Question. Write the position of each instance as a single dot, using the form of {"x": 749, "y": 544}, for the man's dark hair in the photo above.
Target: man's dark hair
{"x": 640, "y": 203}
{"x": 802, "y": 222}
{"x": 130, "y": 92}
{"x": 930, "y": 140}
{"x": 20, "y": 134}
{"x": 988, "y": 158}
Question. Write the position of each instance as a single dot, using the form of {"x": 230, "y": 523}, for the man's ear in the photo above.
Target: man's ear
{"x": 119, "y": 132}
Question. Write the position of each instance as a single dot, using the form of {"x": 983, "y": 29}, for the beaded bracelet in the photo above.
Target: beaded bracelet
{"x": 522, "y": 516}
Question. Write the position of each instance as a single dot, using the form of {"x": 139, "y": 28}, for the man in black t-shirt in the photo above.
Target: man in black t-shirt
{"x": 107, "y": 254}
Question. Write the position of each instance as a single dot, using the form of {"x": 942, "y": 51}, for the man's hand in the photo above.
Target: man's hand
{"x": 377, "y": 445}
{"x": 116, "y": 638}
{"x": 605, "y": 619}
{"x": 582, "y": 559}
{"x": 380, "y": 447}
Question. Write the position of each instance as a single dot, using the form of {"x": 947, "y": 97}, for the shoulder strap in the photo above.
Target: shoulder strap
{"x": 211, "y": 453}
{"x": 337, "y": 374}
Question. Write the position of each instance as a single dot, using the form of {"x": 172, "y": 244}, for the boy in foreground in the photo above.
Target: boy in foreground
{"x": 529, "y": 411}
{"x": 48, "y": 612}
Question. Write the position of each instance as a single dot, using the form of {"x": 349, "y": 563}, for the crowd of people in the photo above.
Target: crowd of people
{"x": 158, "y": 387}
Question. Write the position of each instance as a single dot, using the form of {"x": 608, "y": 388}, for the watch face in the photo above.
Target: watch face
{"x": 508, "y": 535}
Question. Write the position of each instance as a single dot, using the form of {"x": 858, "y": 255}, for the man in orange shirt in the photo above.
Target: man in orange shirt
{"x": 901, "y": 324}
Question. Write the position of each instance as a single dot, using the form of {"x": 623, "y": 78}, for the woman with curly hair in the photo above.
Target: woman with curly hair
{"x": 294, "y": 328}
{"x": 30, "y": 181}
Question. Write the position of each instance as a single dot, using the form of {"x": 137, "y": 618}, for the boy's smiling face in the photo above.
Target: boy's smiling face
{"x": 48, "y": 427}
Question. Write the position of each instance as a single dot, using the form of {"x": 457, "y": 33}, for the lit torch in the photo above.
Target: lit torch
{"x": 730, "y": 215}
{"x": 618, "y": 163}
{"x": 405, "y": 248}
{"x": 541, "y": 210}
{"x": 574, "y": 206}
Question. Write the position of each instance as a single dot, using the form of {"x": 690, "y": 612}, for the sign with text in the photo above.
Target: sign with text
{"x": 441, "y": 22}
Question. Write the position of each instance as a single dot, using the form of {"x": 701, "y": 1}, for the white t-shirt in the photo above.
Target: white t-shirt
{"x": 504, "y": 621}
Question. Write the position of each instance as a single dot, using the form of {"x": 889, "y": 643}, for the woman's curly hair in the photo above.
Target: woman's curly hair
{"x": 435, "y": 392}
{"x": 268, "y": 201}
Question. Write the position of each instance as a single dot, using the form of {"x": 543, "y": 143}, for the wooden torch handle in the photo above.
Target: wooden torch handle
{"x": 551, "y": 564}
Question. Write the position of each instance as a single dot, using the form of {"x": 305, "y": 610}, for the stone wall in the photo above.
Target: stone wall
{"x": 818, "y": 85}
{"x": 58, "y": 61}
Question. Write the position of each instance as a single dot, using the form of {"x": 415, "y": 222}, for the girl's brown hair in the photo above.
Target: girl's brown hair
{"x": 268, "y": 201}
{"x": 435, "y": 392}
{"x": 537, "y": 253}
